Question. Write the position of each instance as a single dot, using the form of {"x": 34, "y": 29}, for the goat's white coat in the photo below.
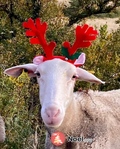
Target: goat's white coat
{"x": 2, "y": 130}
{"x": 75, "y": 114}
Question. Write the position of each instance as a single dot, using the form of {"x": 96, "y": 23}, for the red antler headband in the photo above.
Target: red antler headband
{"x": 36, "y": 30}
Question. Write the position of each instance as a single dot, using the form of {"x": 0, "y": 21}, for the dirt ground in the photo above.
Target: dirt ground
{"x": 111, "y": 22}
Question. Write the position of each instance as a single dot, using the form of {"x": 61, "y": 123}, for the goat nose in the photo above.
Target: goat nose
{"x": 52, "y": 112}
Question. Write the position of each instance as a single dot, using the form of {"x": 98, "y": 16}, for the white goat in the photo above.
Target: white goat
{"x": 94, "y": 115}
{"x": 2, "y": 130}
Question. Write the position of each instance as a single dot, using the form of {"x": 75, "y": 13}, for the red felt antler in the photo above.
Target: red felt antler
{"x": 84, "y": 36}
{"x": 37, "y": 31}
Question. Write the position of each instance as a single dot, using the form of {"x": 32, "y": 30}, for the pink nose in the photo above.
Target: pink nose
{"x": 52, "y": 112}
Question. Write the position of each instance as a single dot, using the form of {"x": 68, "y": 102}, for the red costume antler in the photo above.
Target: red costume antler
{"x": 37, "y": 31}
{"x": 84, "y": 36}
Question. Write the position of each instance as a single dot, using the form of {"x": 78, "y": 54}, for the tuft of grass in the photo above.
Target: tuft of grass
{"x": 20, "y": 110}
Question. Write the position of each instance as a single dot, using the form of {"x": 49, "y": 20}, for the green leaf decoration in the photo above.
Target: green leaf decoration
{"x": 72, "y": 57}
{"x": 75, "y": 56}
{"x": 65, "y": 52}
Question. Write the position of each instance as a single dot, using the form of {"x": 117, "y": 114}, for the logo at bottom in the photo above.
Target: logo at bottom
{"x": 58, "y": 138}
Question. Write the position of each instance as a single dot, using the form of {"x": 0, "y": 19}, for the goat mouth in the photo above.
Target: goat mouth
{"x": 53, "y": 123}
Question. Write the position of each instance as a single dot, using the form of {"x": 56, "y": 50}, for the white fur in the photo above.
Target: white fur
{"x": 2, "y": 130}
{"x": 61, "y": 111}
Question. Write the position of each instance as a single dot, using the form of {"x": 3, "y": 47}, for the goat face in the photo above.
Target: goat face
{"x": 56, "y": 79}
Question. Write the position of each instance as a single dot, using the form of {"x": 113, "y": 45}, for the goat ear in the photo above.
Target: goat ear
{"x": 17, "y": 70}
{"x": 88, "y": 77}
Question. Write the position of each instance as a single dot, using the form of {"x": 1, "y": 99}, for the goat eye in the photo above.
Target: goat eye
{"x": 74, "y": 77}
{"x": 37, "y": 74}
{"x": 25, "y": 70}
